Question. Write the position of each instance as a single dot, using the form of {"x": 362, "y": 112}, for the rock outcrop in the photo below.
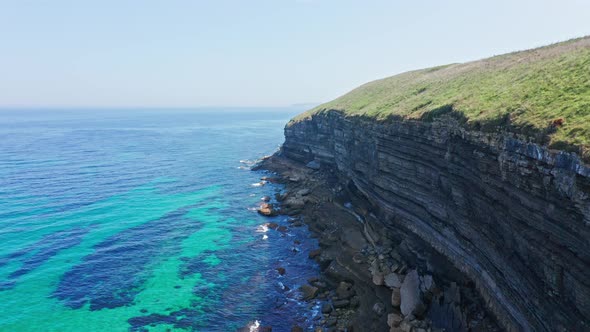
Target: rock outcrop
{"x": 511, "y": 216}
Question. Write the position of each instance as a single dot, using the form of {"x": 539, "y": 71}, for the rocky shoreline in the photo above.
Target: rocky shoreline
{"x": 367, "y": 281}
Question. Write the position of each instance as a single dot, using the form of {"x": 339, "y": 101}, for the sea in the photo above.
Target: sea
{"x": 145, "y": 220}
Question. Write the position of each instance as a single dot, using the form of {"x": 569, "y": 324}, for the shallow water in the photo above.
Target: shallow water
{"x": 142, "y": 220}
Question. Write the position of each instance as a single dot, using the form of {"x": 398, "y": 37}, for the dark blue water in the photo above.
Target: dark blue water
{"x": 142, "y": 220}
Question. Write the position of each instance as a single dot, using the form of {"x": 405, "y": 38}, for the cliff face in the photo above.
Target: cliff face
{"x": 512, "y": 217}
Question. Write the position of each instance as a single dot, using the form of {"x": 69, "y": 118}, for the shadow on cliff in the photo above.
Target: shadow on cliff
{"x": 503, "y": 123}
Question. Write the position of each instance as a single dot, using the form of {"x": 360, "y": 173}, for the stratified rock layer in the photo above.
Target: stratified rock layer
{"x": 511, "y": 216}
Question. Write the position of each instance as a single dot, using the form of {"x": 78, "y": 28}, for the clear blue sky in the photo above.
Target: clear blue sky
{"x": 245, "y": 53}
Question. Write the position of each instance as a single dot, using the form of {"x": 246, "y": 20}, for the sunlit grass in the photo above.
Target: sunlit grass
{"x": 544, "y": 93}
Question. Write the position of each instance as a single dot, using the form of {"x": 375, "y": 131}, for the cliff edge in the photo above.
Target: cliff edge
{"x": 484, "y": 163}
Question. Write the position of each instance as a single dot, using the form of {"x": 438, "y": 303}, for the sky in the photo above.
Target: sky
{"x": 181, "y": 53}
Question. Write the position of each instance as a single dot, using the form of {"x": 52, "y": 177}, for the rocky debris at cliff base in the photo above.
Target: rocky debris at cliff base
{"x": 379, "y": 272}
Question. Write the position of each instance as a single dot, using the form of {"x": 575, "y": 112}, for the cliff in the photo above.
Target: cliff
{"x": 511, "y": 214}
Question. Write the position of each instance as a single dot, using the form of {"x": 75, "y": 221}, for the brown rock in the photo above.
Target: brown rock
{"x": 281, "y": 270}
{"x": 378, "y": 279}
{"x": 282, "y": 229}
{"x": 315, "y": 253}
{"x": 394, "y": 319}
{"x": 308, "y": 292}
{"x": 396, "y": 299}
{"x": 297, "y": 328}
{"x": 267, "y": 209}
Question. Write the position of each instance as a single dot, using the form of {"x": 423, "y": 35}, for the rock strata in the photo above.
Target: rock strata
{"x": 505, "y": 218}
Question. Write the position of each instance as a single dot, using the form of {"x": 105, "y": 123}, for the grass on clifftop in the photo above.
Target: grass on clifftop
{"x": 543, "y": 92}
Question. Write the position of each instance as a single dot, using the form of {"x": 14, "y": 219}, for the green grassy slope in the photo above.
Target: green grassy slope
{"x": 544, "y": 92}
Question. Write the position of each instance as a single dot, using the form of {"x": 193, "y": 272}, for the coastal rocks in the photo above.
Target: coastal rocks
{"x": 349, "y": 262}
{"x": 267, "y": 209}
{"x": 308, "y": 292}
{"x": 281, "y": 271}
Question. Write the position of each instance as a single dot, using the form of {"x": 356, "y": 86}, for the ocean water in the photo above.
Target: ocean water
{"x": 143, "y": 220}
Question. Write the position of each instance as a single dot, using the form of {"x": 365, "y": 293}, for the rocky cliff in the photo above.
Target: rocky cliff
{"x": 513, "y": 217}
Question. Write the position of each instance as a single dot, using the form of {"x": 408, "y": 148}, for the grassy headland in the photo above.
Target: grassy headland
{"x": 543, "y": 92}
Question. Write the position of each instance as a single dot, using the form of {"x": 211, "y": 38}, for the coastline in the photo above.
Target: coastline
{"x": 366, "y": 281}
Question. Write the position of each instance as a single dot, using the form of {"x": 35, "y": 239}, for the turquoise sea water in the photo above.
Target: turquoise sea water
{"x": 142, "y": 221}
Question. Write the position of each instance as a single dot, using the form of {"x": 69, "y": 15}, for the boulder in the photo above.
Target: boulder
{"x": 394, "y": 319}
{"x": 326, "y": 308}
{"x": 378, "y": 279}
{"x": 313, "y": 165}
{"x": 297, "y": 328}
{"x": 410, "y": 293}
{"x": 308, "y": 292}
{"x": 281, "y": 270}
{"x": 393, "y": 280}
{"x": 396, "y": 298}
